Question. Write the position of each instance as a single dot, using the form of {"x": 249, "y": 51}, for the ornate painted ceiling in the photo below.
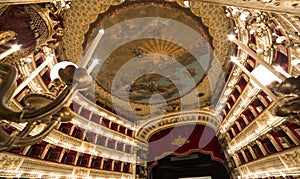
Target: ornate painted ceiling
{"x": 155, "y": 57}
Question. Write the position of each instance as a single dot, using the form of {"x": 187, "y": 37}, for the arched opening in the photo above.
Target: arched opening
{"x": 186, "y": 151}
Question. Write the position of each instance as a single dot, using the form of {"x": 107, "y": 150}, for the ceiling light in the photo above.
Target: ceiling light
{"x": 18, "y": 175}
{"x": 280, "y": 39}
{"x": 233, "y": 58}
{"x": 244, "y": 15}
{"x": 231, "y": 37}
{"x": 252, "y": 31}
{"x": 282, "y": 174}
{"x": 103, "y": 114}
{"x": 259, "y": 50}
{"x": 235, "y": 11}
{"x": 186, "y": 3}
{"x": 16, "y": 47}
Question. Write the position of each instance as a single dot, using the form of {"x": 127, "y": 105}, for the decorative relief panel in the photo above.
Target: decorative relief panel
{"x": 266, "y": 164}
{"x": 108, "y": 174}
{"x": 263, "y": 118}
{"x": 30, "y": 165}
{"x": 292, "y": 159}
{"x": 273, "y": 165}
{"x": 8, "y": 162}
{"x": 244, "y": 169}
{"x": 80, "y": 172}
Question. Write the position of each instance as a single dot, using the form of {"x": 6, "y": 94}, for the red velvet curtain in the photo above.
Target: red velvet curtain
{"x": 16, "y": 19}
{"x": 182, "y": 140}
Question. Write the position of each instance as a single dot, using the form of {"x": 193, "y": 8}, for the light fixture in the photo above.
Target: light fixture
{"x": 41, "y": 109}
{"x": 186, "y": 3}
{"x": 264, "y": 75}
{"x": 244, "y": 15}
{"x": 13, "y": 49}
{"x": 231, "y": 37}
{"x": 282, "y": 173}
{"x": 91, "y": 49}
{"x": 280, "y": 39}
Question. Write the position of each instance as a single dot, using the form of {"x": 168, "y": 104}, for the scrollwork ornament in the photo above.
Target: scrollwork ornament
{"x": 292, "y": 159}
{"x": 9, "y": 163}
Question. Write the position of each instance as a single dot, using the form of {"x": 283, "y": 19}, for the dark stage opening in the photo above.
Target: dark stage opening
{"x": 193, "y": 165}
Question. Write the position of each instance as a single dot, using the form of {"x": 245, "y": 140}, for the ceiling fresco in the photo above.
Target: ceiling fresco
{"x": 146, "y": 61}
{"x": 144, "y": 58}
{"x": 149, "y": 59}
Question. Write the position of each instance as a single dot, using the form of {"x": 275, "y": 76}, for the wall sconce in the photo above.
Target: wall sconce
{"x": 41, "y": 110}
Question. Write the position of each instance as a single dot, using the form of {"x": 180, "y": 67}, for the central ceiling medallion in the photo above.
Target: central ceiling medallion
{"x": 152, "y": 68}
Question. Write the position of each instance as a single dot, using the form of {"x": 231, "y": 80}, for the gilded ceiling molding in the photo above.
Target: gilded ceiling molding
{"x": 153, "y": 125}
{"x": 9, "y": 162}
{"x": 82, "y": 14}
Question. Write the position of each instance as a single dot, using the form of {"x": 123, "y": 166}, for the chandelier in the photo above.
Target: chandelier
{"x": 44, "y": 110}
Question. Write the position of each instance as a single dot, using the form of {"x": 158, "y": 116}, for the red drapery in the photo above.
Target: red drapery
{"x": 182, "y": 140}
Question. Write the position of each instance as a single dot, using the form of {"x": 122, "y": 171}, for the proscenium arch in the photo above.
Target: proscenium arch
{"x": 196, "y": 117}
{"x": 181, "y": 145}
